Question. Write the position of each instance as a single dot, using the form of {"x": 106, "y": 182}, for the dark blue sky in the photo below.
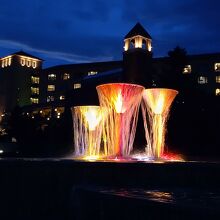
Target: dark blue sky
{"x": 73, "y": 31}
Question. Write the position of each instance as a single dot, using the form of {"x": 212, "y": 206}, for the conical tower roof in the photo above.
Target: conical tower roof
{"x": 138, "y": 30}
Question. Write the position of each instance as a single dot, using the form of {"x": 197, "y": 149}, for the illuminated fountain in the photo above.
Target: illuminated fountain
{"x": 155, "y": 109}
{"x": 121, "y": 102}
{"x": 87, "y": 125}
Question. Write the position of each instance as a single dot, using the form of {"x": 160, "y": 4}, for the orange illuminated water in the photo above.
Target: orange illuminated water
{"x": 87, "y": 130}
{"x": 121, "y": 102}
{"x": 156, "y": 107}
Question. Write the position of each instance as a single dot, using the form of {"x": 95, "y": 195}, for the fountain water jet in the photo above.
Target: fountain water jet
{"x": 122, "y": 102}
{"x": 155, "y": 108}
{"x": 87, "y": 125}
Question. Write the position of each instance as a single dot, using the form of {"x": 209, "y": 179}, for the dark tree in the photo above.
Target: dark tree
{"x": 177, "y": 61}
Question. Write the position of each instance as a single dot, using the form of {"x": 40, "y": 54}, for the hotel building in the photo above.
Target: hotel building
{"x": 24, "y": 83}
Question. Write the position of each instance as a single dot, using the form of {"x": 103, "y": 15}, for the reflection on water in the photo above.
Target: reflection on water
{"x": 159, "y": 196}
{"x": 186, "y": 197}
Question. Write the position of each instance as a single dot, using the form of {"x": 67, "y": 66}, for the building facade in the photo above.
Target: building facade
{"x": 23, "y": 82}
{"x": 19, "y": 80}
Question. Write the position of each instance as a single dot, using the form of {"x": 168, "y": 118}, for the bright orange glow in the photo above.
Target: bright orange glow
{"x": 158, "y": 102}
{"x": 87, "y": 130}
{"x": 91, "y": 158}
{"x": 119, "y": 104}
{"x": 121, "y": 101}
{"x": 92, "y": 116}
{"x": 172, "y": 157}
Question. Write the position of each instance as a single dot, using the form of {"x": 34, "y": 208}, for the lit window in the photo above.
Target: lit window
{"x": 34, "y": 100}
{"x": 187, "y": 69}
{"x": 217, "y": 67}
{"x": 35, "y": 80}
{"x": 34, "y": 64}
{"x": 51, "y": 88}
{"x": 9, "y": 61}
{"x": 3, "y": 64}
{"x": 62, "y": 97}
{"x": 66, "y": 76}
{"x": 90, "y": 73}
{"x": 217, "y": 92}
{"x": 77, "y": 86}
{"x": 202, "y": 80}
{"x": 50, "y": 98}
{"x": 22, "y": 61}
{"x": 35, "y": 90}
{"x": 217, "y": 79}
{"x": 52, "y": 76}
{"x": 28, "y": 63}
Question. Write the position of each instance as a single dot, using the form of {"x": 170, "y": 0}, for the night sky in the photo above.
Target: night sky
{"x": 73, "y": 31}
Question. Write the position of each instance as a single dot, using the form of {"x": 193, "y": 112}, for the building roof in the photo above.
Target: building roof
{"x": 138, "y": 30}
{"x": 22, "y": 53}
{"x": 79, "y": 66}
{"x": 105, "y": 73}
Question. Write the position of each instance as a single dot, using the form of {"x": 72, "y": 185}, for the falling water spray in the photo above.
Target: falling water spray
{"x": 155, "y": 108}
{"x": 122, "y": 102}
{"x": 87, "y": 126}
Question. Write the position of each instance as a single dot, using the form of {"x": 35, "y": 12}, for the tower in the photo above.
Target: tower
{"x": 137, "y": 56}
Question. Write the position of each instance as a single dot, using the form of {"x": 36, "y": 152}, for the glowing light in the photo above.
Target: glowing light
{"x": 34, "y": 100}
{"x": 157, "y": 102}
{"x": 51, "y": 88}
{"x": 35, "y": 80}
{"x": 93, "y": 118}
{"x": 91, "y": 158}
{"x": 1, "y": 151}
{"x": 62, "y": 97}
{"x": 76, "y": 85}
{"x": 121, "y": 102}
{"x": 29, "y": 62}
{"x": 217, "y": 92}
{"x": 217, "y": 67}
{"x": 87, "y": 130}
{"x": 66, "y": 76}
{"x": 172, "y": 157}
{"x": 187, "y": 69}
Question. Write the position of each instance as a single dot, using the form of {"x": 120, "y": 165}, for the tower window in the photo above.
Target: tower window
{"x": 52, "y": 76}
{"x": 217, "y": 79}
{"x": 202, "y": 80}
{"x": 217, "y": 92}
{"x": 187, "y": 69}
{"x": 217, "y": 67}
{"x": 66, "y": 76}
{"x": 77, "y": 85}
{"x": 51, "y": 88}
